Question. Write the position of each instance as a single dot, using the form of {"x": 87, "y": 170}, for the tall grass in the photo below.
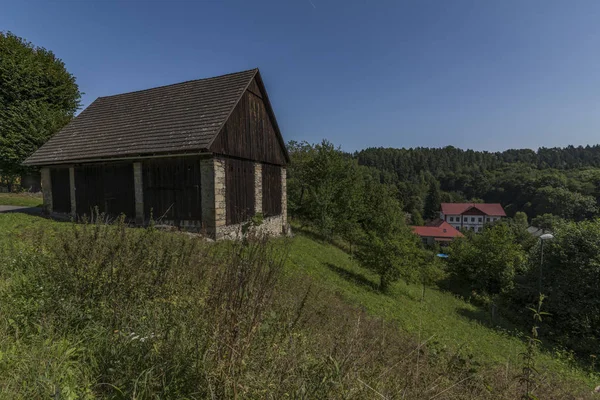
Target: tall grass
{"x": 103, "y": 311}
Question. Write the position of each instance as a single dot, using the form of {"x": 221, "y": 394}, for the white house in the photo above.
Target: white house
{"x": 471, "y": 216}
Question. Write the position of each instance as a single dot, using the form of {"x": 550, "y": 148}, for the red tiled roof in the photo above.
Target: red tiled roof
{"x": 444, "y": 230}
{"x": 494, "y": 209}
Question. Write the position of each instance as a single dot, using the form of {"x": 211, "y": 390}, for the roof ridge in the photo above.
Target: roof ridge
{"x": 179, "y": 83}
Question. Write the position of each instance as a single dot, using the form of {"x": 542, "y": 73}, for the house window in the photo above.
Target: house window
{"x": 457, "y": 226}
{"x": 451, "y": 219}
{"x": 487, "y": 219}
{"x": 472, "y": 219}
{"x": 466, "y": 219}
{"x": 480, "y": 219}
{"x": 472, "y": 228}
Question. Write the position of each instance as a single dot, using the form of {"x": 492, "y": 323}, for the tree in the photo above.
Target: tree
{"x": 433, "y": 200}
{"x": 388, "y": 247}
{"x": 520, "y": 219}
{"x": 547, "y": 221}
{"x": 38, "y": 96}
{"x": 569, "y": 280}
{"x": 487, "y": 262}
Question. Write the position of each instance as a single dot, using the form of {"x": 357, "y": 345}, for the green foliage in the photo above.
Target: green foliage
{"x": 547, "y": 222}
{"x": 530, "y": 372}
{"x": 564, "y": 203}
{"x": 38, "y": 96}
{"x": 325, "y": 188}
{"x": 189, "y": 319}
{"x": 520, "y": 219}
{"x": 487, "y": 262}
{"x": 433, "y": 201}
{"x": 557, "y": 181}
{"x": 570, "y": 275}
{"x": 388, "y": 247}
{"x": 416, "y": 218}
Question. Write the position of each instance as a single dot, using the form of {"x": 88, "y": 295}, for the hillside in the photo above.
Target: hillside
{"x": 108, "y": 312}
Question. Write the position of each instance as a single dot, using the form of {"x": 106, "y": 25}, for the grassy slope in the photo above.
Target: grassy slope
{"x": 443, "y": 319}
{"x": 20, "y": 199}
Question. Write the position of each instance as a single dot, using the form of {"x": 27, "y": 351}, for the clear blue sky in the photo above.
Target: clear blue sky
{"x": 487, "y": 75}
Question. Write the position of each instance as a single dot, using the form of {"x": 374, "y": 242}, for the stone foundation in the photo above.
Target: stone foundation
{"x": 271, "y": 226}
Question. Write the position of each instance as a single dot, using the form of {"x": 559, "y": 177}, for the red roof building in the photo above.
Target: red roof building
{"x": 441, "y": 233}
{"x": 471, "y": 216}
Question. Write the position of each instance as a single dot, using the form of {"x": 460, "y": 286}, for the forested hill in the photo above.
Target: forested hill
{"x": 442, "y": 160}
{"x": 564, "y": 182}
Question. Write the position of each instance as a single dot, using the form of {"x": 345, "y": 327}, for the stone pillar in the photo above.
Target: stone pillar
{"x": 220, "y": 192}
{"x": 138, "y": 190}
{"x": 212, "y": 176}
{"x": 47, "y": 189}
{"x": 284, "y": 199}
{"x": 258, "y": 193}
{"x": 72, "y": 192}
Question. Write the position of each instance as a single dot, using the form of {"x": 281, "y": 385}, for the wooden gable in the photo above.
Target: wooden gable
{"x": 251, "y": 131}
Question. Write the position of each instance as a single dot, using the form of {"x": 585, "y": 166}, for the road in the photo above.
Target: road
{"x": 21, "y": 209}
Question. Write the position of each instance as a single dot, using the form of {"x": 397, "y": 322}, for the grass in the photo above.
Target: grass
{"x": 231, "y": 321}
{"x": 21, "y": 199}
{"x": 446, "y": 320}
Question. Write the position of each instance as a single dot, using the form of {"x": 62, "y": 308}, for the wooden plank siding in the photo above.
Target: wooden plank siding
{"x": 107, "y": 187}
{"x": 239, "y": 183}
{"x": 172, "y": 189}
{"x": 271, "y": 190}
{"x": 249, "y": 132}
{"x": 61, "y": 190}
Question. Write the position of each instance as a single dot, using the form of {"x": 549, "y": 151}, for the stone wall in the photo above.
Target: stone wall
{"x": 284, "y": 222}
{"x": 257, "y": 188}
{"x": 271, "y": 226}
{"x": 212, "y": 182}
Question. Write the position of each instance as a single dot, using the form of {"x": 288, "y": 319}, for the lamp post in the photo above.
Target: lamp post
{"x": 543, "y": 238}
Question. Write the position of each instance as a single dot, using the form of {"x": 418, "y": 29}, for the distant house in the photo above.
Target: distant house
{"x": 471, "y": 216}
{"x": 204, "y": 154}
{"x": 441, "y": 232}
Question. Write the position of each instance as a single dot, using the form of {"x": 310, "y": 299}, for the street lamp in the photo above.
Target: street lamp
{"x": 543, "y": 238}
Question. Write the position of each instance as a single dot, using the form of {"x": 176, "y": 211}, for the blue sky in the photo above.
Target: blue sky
{"x": 472, "y": 74}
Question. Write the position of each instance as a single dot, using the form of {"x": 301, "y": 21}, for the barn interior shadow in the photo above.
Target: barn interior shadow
{"x": 353, "y": 277}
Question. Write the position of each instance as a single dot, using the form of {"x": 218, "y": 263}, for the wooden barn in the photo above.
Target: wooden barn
{"x": 203, "y": 155}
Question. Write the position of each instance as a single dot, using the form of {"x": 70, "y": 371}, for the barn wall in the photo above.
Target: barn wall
{"x": 108, "y": 187}
{"x": 61, "y": 190}
{"x": 271, "y": 190}
{"x": 172, "y": 189}
{"x": 249, "y": 132}
{"x": 269, "y": 187}
{"x": 240, "y": 196}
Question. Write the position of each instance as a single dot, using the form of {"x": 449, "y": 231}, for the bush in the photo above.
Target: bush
{"x": 487, "y": 262}
{"x": 571, "y": 272}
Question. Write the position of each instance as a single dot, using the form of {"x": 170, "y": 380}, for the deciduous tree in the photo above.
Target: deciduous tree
{"x": 38, "y": 96}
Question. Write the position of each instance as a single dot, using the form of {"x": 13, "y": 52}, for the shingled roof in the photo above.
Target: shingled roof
{"x": 179, "y": 118}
